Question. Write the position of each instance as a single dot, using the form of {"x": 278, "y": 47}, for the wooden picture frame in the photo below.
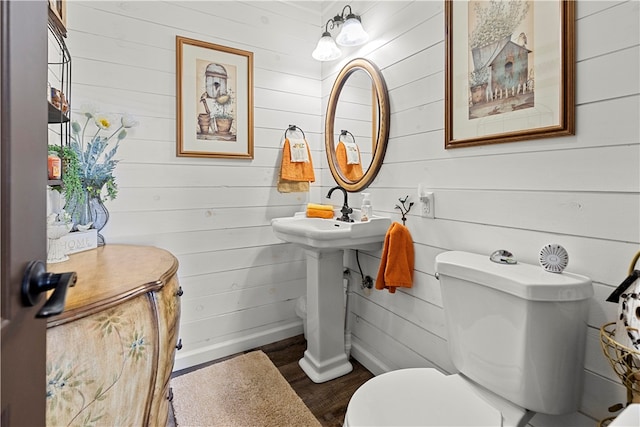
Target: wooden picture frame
{"x": 58, "y": 15}
{"x": 505, "y": 80}
{"x": 214, "y": 100}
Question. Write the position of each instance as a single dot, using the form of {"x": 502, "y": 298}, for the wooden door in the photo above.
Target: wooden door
{"x": 23, "y": 153}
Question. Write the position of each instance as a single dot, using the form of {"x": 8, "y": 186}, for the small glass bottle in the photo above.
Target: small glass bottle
{"x": 366, "y": 210}
{"x": 54, "y": 165}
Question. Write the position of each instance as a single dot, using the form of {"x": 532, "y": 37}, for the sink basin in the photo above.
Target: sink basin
{"x": 331, "y": 234}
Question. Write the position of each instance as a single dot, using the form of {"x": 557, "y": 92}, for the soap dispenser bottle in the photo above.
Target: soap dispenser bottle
{"x": 366, "y": 210}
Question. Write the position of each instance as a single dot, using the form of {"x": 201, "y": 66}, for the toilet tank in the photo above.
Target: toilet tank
{"x": 516, "y": 329}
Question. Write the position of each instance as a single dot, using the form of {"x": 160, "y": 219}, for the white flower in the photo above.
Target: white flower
{"x": 128, "y": 121}
{"x": 88, "y": 110}
{"x": 102, "y": 121}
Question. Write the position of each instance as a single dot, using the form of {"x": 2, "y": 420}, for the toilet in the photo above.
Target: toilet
{"x": 516, "y": 335}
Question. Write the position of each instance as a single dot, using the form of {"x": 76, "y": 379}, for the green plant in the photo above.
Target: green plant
{"x": 478, "y": 77}
{"x": 71, "y": 179}
{"x": 223, "y": 115}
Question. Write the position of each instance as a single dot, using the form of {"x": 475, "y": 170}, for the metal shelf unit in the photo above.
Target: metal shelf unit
{"x": 60, "y": 72}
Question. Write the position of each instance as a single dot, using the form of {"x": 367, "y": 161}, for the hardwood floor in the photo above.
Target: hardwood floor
{"x": 327, "y": 401}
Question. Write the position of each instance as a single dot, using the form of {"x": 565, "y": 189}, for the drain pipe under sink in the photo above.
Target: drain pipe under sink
{"x": 367, "y": 285}
{"x": 346, "y": 279}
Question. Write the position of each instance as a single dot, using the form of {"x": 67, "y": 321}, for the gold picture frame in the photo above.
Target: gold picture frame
{"x": 509, "y": 71}
{"x": 58, "y": 15}
{"x": 214, "y": 100}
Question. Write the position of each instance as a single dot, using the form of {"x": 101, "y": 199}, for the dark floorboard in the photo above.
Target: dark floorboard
{"x": 327, "y": 401}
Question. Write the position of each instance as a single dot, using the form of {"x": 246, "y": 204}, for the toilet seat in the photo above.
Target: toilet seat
{"x": 419, "y": 397}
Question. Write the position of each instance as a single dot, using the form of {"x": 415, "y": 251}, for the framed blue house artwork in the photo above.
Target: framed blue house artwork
{"x": 509, "y": 71}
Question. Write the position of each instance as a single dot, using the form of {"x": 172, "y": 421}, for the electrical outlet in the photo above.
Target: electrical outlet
{"x": 427, "y": 201}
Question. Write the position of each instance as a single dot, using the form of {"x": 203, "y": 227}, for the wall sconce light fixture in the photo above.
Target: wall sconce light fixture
{"x": 352, "y": 34}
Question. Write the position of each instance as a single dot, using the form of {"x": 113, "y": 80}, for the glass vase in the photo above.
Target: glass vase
{"x": 99, "y": 215}
{"x": 89, "y": 212}
{"x": 78, "y": 208}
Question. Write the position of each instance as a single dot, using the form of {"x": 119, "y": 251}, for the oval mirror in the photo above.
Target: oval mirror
{"x": 357, "y": 125}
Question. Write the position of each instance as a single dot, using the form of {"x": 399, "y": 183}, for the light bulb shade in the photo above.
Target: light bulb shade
{"x": 326, "y": 50}
{"x": 352, "y": 33}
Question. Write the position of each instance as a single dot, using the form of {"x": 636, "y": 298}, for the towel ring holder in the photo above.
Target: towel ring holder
{"x": 344, "y": 133}
{"x": 294, "y": 128}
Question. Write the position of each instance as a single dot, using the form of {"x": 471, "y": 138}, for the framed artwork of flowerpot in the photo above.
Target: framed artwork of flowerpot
{"x": 215, "y": 100}
{"x": 509, "y": 71}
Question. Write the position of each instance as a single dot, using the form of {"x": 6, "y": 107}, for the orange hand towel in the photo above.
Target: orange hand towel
{"x": 295, "y": 171}
{"x": 396, "y": 265}
{"x": 351, "y": 172}
{"x": 315, "y": 210}
{"x": 319, "y": 213}
{"x": 320, "y": 207}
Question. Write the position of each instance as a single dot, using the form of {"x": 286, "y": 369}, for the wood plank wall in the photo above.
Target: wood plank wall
{"x": 241, "y": 283}
{"x": 582, "y": 192}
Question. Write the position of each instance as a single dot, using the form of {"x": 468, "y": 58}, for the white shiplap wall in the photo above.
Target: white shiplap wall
{"x": 240, "y": 282}
{"x": 582, "y": 191}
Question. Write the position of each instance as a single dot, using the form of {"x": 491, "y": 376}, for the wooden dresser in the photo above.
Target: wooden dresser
{"x": 110, "y": 353}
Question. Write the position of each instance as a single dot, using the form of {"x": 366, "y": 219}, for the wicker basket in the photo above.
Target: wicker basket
{"x": 625, "y": 362}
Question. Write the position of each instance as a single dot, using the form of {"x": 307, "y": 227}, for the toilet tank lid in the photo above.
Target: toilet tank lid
{"x": 523, "y": 280}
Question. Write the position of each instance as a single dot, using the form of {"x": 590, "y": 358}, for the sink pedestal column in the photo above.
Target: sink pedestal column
{"x": 325, "y": 357}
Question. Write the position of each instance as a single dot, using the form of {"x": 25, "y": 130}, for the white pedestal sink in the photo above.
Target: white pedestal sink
{"x": 324, "y": 241}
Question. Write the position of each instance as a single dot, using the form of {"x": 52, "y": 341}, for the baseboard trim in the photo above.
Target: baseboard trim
{"x": 187, "y": 359}
{"x": 367, "y": 358}
{"x": 215, "y": 351}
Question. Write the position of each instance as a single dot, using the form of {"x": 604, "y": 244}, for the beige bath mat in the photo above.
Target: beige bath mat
{"x": 246, "y": 391}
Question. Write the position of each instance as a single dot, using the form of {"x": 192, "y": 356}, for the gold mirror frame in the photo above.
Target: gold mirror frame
{"x": 382, "y": 134}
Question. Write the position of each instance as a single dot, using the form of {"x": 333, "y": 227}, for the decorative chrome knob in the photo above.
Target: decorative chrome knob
{"x": 502, "y": 256}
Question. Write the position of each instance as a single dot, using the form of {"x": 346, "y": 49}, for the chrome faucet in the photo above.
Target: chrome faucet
{"x": 346, "y": 210}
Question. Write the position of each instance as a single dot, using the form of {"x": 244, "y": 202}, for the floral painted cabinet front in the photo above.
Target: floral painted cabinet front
{"x": 110, "y": 353}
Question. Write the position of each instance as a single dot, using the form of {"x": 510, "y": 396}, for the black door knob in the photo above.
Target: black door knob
{"x": 37, "y": 280}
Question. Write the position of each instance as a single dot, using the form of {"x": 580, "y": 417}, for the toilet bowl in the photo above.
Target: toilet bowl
{"x": 427, "y": 397}
{"x": 419, "y": 397}
{"x": 504, "y": 323}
